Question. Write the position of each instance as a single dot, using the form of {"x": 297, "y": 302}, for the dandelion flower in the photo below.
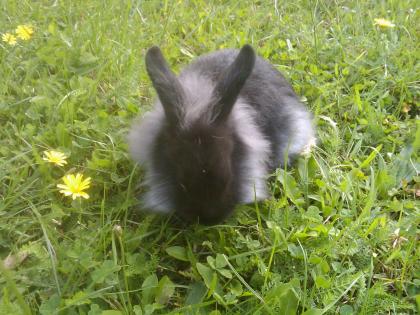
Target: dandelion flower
{"x": 24, "y": 31}
{"x": 383, "y": 23}
{"x": 9, "y": 38}
{"x": 74, "y": 186}
{"x": 55, "y": 157}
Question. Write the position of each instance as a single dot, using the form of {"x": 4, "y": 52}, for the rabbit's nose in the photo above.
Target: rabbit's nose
{"x": 201, "y": 217}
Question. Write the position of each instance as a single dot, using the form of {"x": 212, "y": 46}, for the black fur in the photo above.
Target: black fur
{"x": 230, "y": 83}
{"x": 199, "y": 162}
{"x": 166, "y": 84}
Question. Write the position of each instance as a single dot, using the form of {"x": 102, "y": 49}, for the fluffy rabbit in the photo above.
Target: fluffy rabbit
{"x": 216, "y": 133}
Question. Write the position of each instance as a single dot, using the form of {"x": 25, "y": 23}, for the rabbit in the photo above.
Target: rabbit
{"x": 216, "y": 133}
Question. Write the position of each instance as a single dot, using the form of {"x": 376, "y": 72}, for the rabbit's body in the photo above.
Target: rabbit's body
{"x": 216, "y": 133}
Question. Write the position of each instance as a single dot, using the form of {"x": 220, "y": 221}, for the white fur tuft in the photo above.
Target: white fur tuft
{"x": 141, "y": 140}
{"x": 254, "y": 166}
{"x": 302, "y": 134}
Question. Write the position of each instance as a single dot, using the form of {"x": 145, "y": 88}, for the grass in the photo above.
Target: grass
{"x": 339, "y": 236}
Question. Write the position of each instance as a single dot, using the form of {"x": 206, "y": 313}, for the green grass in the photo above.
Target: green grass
{"x": 326, "y": 243}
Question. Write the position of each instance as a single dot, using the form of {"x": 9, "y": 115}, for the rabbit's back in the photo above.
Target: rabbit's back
{"x": 281, "y": 117}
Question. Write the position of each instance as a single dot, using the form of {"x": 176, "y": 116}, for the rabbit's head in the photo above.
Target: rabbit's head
{"x": 199, "y": 157}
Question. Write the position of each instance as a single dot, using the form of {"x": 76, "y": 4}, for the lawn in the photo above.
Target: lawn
{"x": 339, "y": 234}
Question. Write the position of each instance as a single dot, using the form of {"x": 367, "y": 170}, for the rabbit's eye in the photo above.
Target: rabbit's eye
{"x": 183, "y": 187}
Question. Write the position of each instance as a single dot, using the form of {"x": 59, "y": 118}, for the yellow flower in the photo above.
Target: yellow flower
{"x": 24, "y": 31}
{"x": 383, "y": 23}
{"x": 55, "y": 157}
{"x": 9, "y": 38}
{"x": 74, "y": 186}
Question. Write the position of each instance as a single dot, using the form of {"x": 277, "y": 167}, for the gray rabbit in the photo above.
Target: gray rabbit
{"x": 217, "y": 131}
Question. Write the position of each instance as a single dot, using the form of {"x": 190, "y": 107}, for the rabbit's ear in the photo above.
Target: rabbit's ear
{"x": 231, "y": 82}
{"x": 166, "y": 84}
